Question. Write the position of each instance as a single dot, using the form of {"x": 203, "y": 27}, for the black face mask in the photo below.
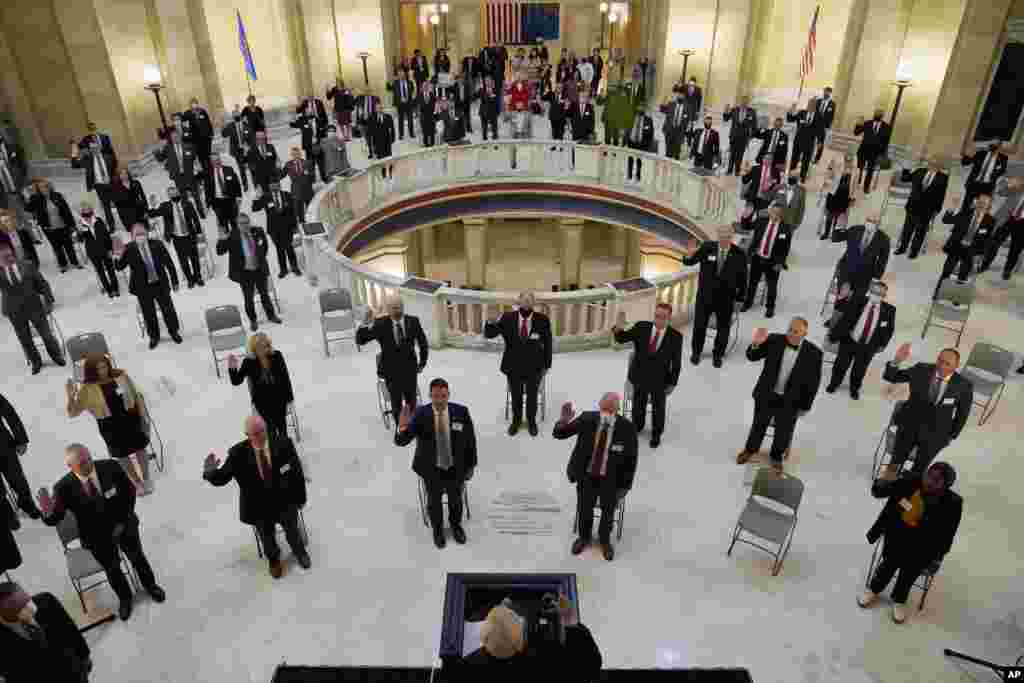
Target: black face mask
{"x": 87, "y": 215}
{"x": 792, "y": 181}
{"x": 707, "y": 126}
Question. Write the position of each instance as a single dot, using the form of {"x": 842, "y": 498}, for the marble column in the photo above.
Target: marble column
{"x": 413, "y": 255}
{"x": 618, "y": 241}
{"x": 476, "y": 251}
{"x": 171, "y": 28}
{"x": 428, "y": 247}
{"x": 633, "y": 263}
{"x": 571, "y": 253}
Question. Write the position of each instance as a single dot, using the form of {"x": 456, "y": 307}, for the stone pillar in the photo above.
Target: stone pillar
{"x": 571, "y": 254}
{"x": 633, "y": 264}
{"x": 476, "y": 251}
{"x": 428, "y": 247}
{"x": 413, "y": 255}
{"x": 171, "y": 28}
{"x": 618, "y": 238}
{"x": 15, "y": 102}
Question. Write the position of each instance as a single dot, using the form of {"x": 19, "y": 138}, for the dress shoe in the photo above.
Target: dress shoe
{"x": 743, "y": 456}
{"x": 912, "y": 257}
{"x": 276, "y": 568}
{"x": 695, "y": 359}
{"x": 153, "y": 343}
{"x": 191, "y": 285}
{"x": 717, "y": 361}
{"x": 124, "y": 610}
{"x": 157, "y": 593}
{"x": 855, "y": 394}
{"x": 253, "y": 325}
{"x": 176, "y": 337}
{"x": 459, "y": 534}
{"x": 770, "y": 313}
{"x": 283, "y": 274}
{"x": 1020, "y": 370}
{"x": 831, "y": 388}
{"x": 867, "y": 599}
{"x": 578, "y": 545}
{"x": 608, "y": 551}
{"x": 200, "y": 283}
{"x": 744, "y": 308}
{"x": 532, "y": 428}
{"x": 513, "y": 428}
{"x": 439, "y": 539}
{"x": 79, "y": 266}
{"x": 296, "y": 271}
{"x": 899, "y": 252}
{"x": 655, "y": 440}
{"x": 60, "y": 362}
{"x": 37, "y": 368}
{"x": 274, "y": 319}
{"x": 899, "y": 612}
{"x": 304, "y": 560}
{"x": 30, "y": 509}
{"x": 63, "y": 270}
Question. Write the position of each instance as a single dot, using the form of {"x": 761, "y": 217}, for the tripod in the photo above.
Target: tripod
{"x": 1007, "y": 673}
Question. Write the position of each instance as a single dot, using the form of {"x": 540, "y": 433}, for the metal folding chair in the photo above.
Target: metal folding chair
{"x": 886, "y": 444}
{"x": 156, "y": 442}
{"x": 952, "y": 305}
{"x": 734, "y": 331}
{"x": 225, "y": 331}
{"x": 988, "y": 367}
{"x": 337, "y": 317}
{"x": 384, "y": 396}
{"x": 421, "y": 489}
{"x": 620, "y": 516}
{"x": 542, "y": 399}
{"x": 81, "y": 563}
{"x": 81, "y": 345}
{"x": 769, "y": 523}
{"x": 207, "y": 262}
{"x": 923, "y": 582}
{"x": 303, "y": 529}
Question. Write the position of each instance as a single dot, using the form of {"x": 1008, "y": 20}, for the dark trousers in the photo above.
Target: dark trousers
{"x": 629, "y": 167}
{"x": 275, "y": 414}
{"x": 401, "y": 390}
{"x": 104, "y": 267}
{"x": 188, "y": 258}
{"x": 819, "y": 143}
{"x": 899, "y": 554}
{"x": 722, "y": 308}
{"x": 766, "y": 408}
{"x": 103, "y": 192}
{"x": 317, "y": 157}
{"x": 857, "y": 354}
{"x": 922, "y": 437}
{"x": 915, "y": 229}
{"x": 763, "y": 267}
{"x": 285, "y": 250}
{"x": 253, "y": 281}
{"x": 674, "y": 145}
{"x": 10, "y": 467}
{"x": 60, "y": 240}
{"x": 41, "y": 322}
{"x": 866, "y": 162}
{"x": 517, "y": 384}
{"x": 656, "y": 394}
{"x": 464, "y": 112}
{"x": 802, "y": 155}
{"x": 558, "y": 129}
{"x": 831, "y": 220}
{"x": 588, "y": 491}
{"x": 108, "y": 558}
{"x": 445, "y": 481}
{"x": 429, "y": 127}
{"x": 1015, "y": 231}
{"x": 959, "y": 259}
{"x": 28, "y": 244}
{"x": 149, "y": 298}
{"x": 243, "y": 172}
{"x": 288, "y": 518}
{"x": 404, "y": 117}
{"x": 204, "y": 146}
{"x": 226, "y": 211}
{"x": 737, "y": 148}
{"x": 489, "y": 123}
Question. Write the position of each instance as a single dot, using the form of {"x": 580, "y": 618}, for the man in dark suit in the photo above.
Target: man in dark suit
{"x": 602, "y": 466}
{"x": 13, "y": 173}
{"x": 789, "y": 381}
{"x": 1010, "y": 222}
{"x": 873, "y": 145}
{"x": 14, "y": 444}
{"x": 445, "y": 455}
{"x": 864, "y": 329}
{"x": 427, "y": 105}
{"x": 558, "y": 113}
{"x": 526, "y": 358}
{"x": 582, "y": 120}
{"x": 919, "y": 521}
{"x": 774, "y": 143}
{"x": 282, "y": 225}
{"x": 936, "y": 412}
{"x": 271, "y": 489}
{"x": 471, "y": 68}
{"x": 312, "y": 123}
{"x": 927, "y": 195}
{"x": 742, "y": 127}
{"x": 102, "y": 498}
{"x": 238, "y": 142}
{"x": 263, "y": 162}
{"x": 676, "y": 127}
{"x": 182, "y": 164}
{"x": 598, "y": 63}
{"x": 768, "y": 253}
{"x": 639, "y": 137}
{"x": 825, "y": 108}
{"x": 53, "y": 215}
{"x": 95, "y": 235}
{"x": 95, "y": 154}
{"x": 808, "y": 125}
{"x": 654, "y": 371}
{"x": 792, "y": 198}
{"x": 380, "y": 130}
{"x": 398, "y": 336}
{"x": 705, "y": 151}
{"x": 151, "y": 279}
{"x": 246, "y": 246}
{"x": 722, "y": 285}
{"x": 27, "y": 300}
{"x": 403, "y": 93}
{"x": 986, "y": 169}
{"x": 41, "y": 641}
{"x": 420, "y": 67}
{"x": 223, "y": 193}
{"x": 463, "y": 95}
{"x": 694, "y": 98}
{"x": 489, "y": 108}
{"x": 866, "y": 256}
{"x": 968, "y": 240}
{"x": 201, "y": 127}
{"x": 182, "y": 229}
{"x": 255, "y": 121}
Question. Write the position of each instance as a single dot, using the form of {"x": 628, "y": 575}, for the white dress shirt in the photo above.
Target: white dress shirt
{"x": 659, "y": 336}
{"x": 858, "y": 332}
{"x": 789, "y": 357}
{"x": 13, "y": 274}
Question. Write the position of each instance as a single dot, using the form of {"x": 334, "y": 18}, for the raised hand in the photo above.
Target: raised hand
{"x": 45, "y": 501}
{"x": 568, "y": 412}
{"x": 233, "y": 361}
{"x": 903, "y": 352}
{"x": 368, "y": 318}
{"x": 760, "y": 335}
{"x": 404, "y": 417}
{"x": 211, "y": 462}
{"x": 71, "y": 388}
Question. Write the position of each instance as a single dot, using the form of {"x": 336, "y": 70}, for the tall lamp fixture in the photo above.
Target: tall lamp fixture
{"x": 444, "y": 23}
{"x": 686, "y": 54}
{"x": 902, "y": 82}
{"x": 613, "y": 19}
{"x": 151, "y": 74}
{"x": 604, "y": 18}
{"x": 434, "y": 21}
{"x": 366, "y": 74}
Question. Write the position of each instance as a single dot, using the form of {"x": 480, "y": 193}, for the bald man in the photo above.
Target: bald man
{"x": 398, "y": 335}
{"x": 602, "y": 466}
{"x": 271, "y": 488}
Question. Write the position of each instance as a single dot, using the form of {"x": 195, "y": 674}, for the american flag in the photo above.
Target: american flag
{"x": 503, "y": 23}
{"x": 807, "y": 63}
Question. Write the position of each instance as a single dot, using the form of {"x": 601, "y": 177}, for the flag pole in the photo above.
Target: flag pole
{"x": 803, "y": 76}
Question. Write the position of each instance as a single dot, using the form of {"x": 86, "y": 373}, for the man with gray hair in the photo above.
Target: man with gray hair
{"x": 398, "y": 335}
{"x": 102, "y": 499}
{"x": 527, "y": 356}
{"x": 246, "y": 246}
{"x": 722, "y": 286}
{"x": 928, "y": 186}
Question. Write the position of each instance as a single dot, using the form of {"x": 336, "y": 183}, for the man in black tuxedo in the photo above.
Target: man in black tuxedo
{"x": 151, "y": 279}
{"x": 986, "y": 169}
{"x": 582, "y": 120}
{"x": 246, "y": 246}
{"x": 94, "y": 233}
{"x": 223, "y": 193}
{"x": 676, "y": 127}
{"x": 14, "y": 444}
{"x": 742, "y": 127}
{"x": 864, "y": 328}
{"x": 722, "y": 285}
{"x": 403, "y": 93}
{"x": 639, "y": 137}
{"x": 427, "y": 104}
{"x": 774, "y": 143}
{"x": 95, "y": 154}
{"x": 927, "y": 195}
{"x": 182, "y": 229}
{"x": 41, "y": 641}
{"x": 445, "y": 455}
{"x": 789, "y": 381}
{"x": 263, "y": 162}
{"x": 768, "y": 253}
{"x": 381, "y": 131}
{"x": 968, "y": 240}
{"x": 526, "y": 358}
{"x": 489, "y": 108}
{"x": 558, "y": 113}
{"x": 53, "y": 215}
{"x": 808, "y": 127}
{"x": 312, "y": 123}
{"x": 282, "y": 224}
{"x": 271, "y": 489}
{"x": 705, "y": 150}
{"x": 936, "y": 412}
{"x": 28, "y": 300}
{"x": 825, "y": 108}
{"x": 654, "y": 371}
{"x": 873, "y": 145}
{"x": 238, "y": 142}
{"x": 420, "y": 68}
{"x": 398, "y": 336}
{"x": 102, "y": 498}
{"x": 866, "y": 256}
{"x": 602, "y": 466}
{"x": 201, "y": 127}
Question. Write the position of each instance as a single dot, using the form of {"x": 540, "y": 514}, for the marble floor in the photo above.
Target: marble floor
{"x": 670, "y": 598}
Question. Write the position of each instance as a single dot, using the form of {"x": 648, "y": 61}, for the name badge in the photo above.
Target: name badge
{"x": 457, "y": 426}
{"x": 782, "y": 237}
{"x": 884, "y": 323}
{"x": 713, "y": 257}
{"x": 534, "y": 336}
{"x": 948, "y": 401}
{"x": 906, "y": 505}
{"x": 616, "y": 448}
{"x": 285, "y": 468}
{"x": 110, "y": 493}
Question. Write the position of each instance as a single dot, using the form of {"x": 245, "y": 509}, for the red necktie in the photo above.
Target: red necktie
{"x": 765, "y": 177}
{"x": 769, "y": 239}
{"x": 90, "y": 490}
{"x": 523, "y": 332}
{"x": 653, "y": 346}
{"x": 867, "y": 325}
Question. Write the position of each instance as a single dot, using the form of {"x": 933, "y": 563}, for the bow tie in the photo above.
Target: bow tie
{"x": 794, "y": 347}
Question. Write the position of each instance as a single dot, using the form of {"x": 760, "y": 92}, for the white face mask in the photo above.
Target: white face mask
{"x": 875, "y": 295}
{"x": 871, "y": 225}
{"x": 140, "y": 239}
{"x": 607, "y": 417}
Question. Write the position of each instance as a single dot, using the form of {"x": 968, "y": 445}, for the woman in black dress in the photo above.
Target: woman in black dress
{"x": 270, "y": 385}
{"x": 120, "y": 411}
{"x": 130, "y": 200}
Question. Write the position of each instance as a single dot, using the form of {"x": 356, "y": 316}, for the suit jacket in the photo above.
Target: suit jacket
{"x": 804, "y": 380}
{"x": 265, "y": 168}
{"x": 523, "y": 357}
{"x": 659, "y": 369}
{"x": 96, "y": 515}
{"x": 97, "y": 241}
{"x": 488, "y": 104}
{"x": 937, "y": 527}
{"x": 712, "y": 287}
{"x": 752, "y": 182}
{"x": 780, "y": 248}
{"x": 166, "y": 211}
{"x": 28, "y": 296}
{"x": 808, "y": 123}
{"x": 646, "y": 137}
{"x": 742, "y": 127}
{"x": 925, "y": 201}
{"x": 947, "y": 418}
{"x": 1010, "y": 205}
{"x": 37, "y": 207}
{"x": 17, "y": 164}
{"x": 232, "y": 246}
{"x": 781, "y": 145}
{"x": 199, "y": 125}
{"x": 232, "y": 187}
{"x": 262, "y": 500}
{"x": 397, "y": 99}
{"x": 712, "y": 152}
{"x": 622, "y": 448}
{"x": 420, "y": 68}
{"x": 461, "y": 435}
{"x": 471, "y": 66}
{"x": 12, "y": 430}
{"x": 281, "y": 221}
{"x": 396, "y": 362}
{"x": 669, "y": 128}
{"x": 63, "y": 655}
{"x": 254, "y": 119}
{"x": 582, "y": 121}
{"x": 693, "y": 101}
{"x": 167, "y": 274}
{"x": 183, "y": 170}
{"x": 792, "y": 209}
{"x": 859, "y": 267}
{"x": 977, "y": 163}
{"x": 302, "y": 173}
{"x": 85, "y": 158}
{"x": 874, "y": 143}
{"x": 961, "y": 222}
{"x": 277, "y": 393}
{"x": 313, "y": 129}
{"x": 237, "y": 135}
{"x": 824, "y": 116}
{"x": 382, "y": 133}
{"x": 847, "y": 330}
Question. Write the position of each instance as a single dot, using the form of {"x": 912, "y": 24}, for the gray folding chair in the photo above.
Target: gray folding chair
{"x": 81, "y": 345}
{"x": 988, "y": 367}
{"x": 952, "y": 305}
{"x": 887, "y": 442}
{"x": 422, "y": 491}
{"x": 542, "y": 398}
{"x": 226, "y": 332}
{"x": 82, "y": 564}
{"x": 337, "y": 317}
{"x": 767, "y": 522}
{"x": 620, "y": 516}
{"x": 303, "y": 529}
{"x": 923, "y": 582}
{"x": 206, "y": 259}
{"x": 384, "y": 396}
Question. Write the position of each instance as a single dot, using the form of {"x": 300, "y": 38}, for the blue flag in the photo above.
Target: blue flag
{"x": 243, "y": 45}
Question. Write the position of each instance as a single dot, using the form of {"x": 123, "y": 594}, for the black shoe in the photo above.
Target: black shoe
{"x": 79, "y": 266}
{"x": 513, "y": 428}
{"x": 283, "y": 274}
{"x": 717, "y": 361}
{"x": 200, "y": 282}
{"x": 153, "y": 343}
{"x": 823, "y": 237}
{"x": 655, "y": 441}
{"x": 578, "y": 545}
{"x": 303, "y": 559}
{"x": 124, "y": 611}
{"x": 912, "y": 257}
{"x": 855, "y": 394}
{"x": 899, "y": 252}
{"x": 176, "y": 337}
{"x": 828, "y": 323}
{"x": 157, "y": 593}
{"x": 459, "y": 534}
{"x": 63, "y": 270}
{"x": 439, "y": 539}
{"x": 831, "y": 388}
{"x": 37, "y": 368}
{"x": 770, "y": 313}
{"x": 608, "y": 551}
{"x": 60, "y": 362}
{"x": 296, "y": 271}
{"x": 744, "y": 308}
{"x": 253, "y": 325}
{"x": 30, "y": 509}
{"x": 191, "y": 285}
{"x": 695, "y": 359}
{"x": 274, "y": 319}
{"x": 110, "y": 294}
{"x": 1020, "y": 370}
{"x": 533, "y": 429}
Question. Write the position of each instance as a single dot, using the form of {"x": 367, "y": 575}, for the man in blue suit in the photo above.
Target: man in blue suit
{"x": 445, "y": 455}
